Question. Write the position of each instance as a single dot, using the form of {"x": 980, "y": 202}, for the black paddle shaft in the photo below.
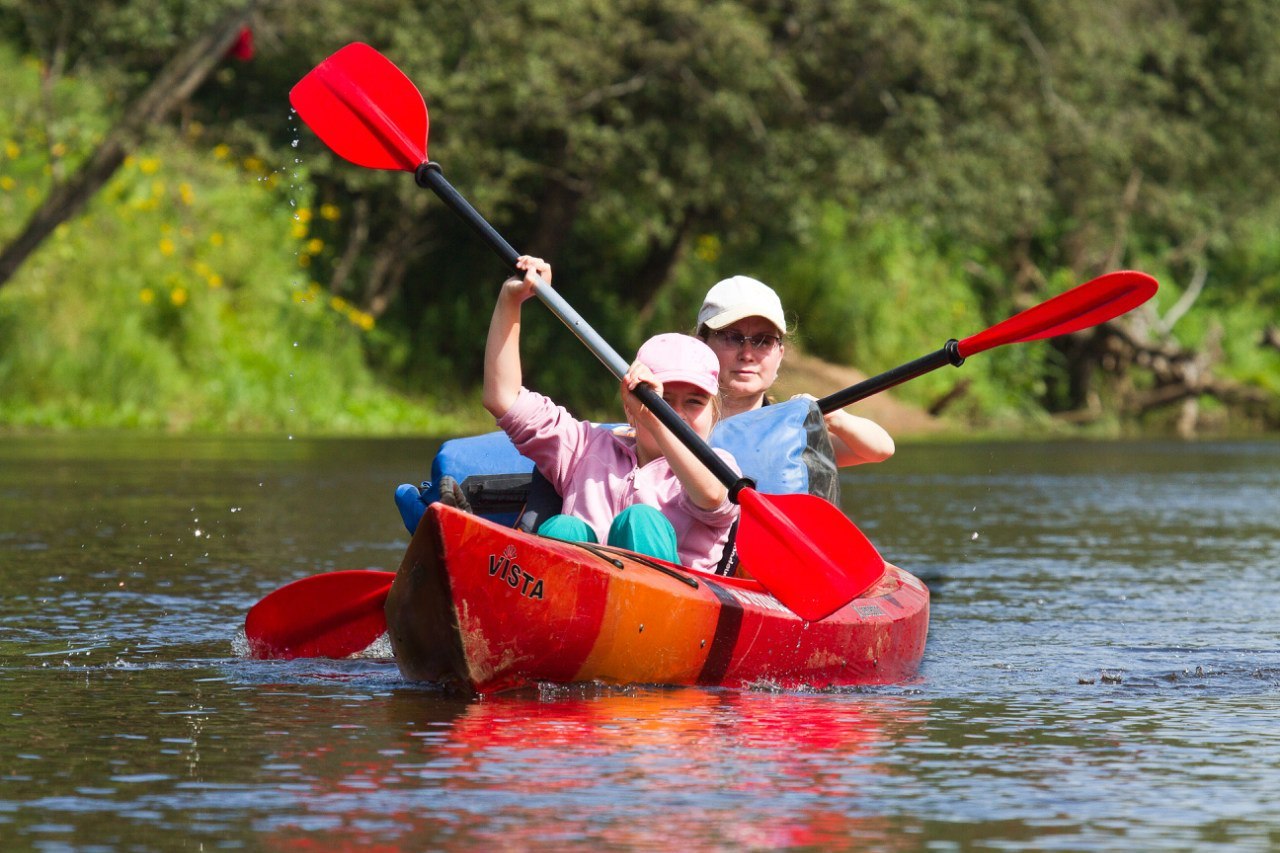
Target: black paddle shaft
{"x": 949, "y": 354}
{"x": 430, "y": 175}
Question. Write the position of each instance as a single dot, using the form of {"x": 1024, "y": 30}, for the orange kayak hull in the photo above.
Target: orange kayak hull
{"x": 491, "y": 608}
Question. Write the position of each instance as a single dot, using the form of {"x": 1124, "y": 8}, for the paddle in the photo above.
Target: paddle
{"x": 1104, "y": 298}
{"x": 329, "y": 615}
{"x": 803, "y": 550}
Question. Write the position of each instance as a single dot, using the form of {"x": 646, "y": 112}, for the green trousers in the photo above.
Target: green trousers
{"x": 638, "y": 528}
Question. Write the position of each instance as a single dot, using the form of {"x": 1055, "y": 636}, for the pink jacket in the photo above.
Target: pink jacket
{"x": 596, "y": 472}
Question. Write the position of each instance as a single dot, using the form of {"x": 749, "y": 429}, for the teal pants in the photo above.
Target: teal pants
{"x": 638, "y": 528}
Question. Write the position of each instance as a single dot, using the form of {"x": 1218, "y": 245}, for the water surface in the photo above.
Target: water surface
{"x": 1102, "y": 671}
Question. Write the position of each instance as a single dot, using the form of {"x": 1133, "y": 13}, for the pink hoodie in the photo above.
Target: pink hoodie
{"x": 596, "y": 472}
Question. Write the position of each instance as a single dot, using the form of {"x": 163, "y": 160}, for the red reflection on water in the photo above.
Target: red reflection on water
{"x": 644, "y": 768}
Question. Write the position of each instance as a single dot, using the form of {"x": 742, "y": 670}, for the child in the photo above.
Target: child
{"x": 647, "y": 492}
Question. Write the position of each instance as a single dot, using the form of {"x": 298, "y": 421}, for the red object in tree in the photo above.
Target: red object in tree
{"x": 243, "y": 48}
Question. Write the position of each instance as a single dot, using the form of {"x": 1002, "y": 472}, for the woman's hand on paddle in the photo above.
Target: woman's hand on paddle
{"x": 520, "y": 288}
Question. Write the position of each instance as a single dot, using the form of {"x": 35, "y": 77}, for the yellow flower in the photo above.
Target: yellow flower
{"x": 58, "y": 150}
{"x": 216, "y": 239}
{"x": 178, "y": 296}
{"x": 254, "y": 164}
{"x": 149, "y": 165}
{"x": 186, "y": 193}
{"x": 215, "y": 281}
{"x": 299, "y": 230}
{"x": 337, "y": 303}
{"x": 222, "y": 151}
{"x": 315, "y": 246}
{"x": 11, "y": 149}
{"x": 7, "y": 183}
{"x": 364, "y": 320}
{"x": 330, "y": 212}
{"x": 166, "y": 247}
{"x": 303, "y": 214}
{"x": 147, "y": 296}
{"x": 707, "y": 248}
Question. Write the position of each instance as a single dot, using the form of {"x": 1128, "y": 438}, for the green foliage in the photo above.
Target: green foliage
{"x": 903, "y": 172}
{"x": 182, "y": 300}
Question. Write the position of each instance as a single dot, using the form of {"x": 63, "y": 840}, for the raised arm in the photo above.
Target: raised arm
{"x": 503, "y": 375}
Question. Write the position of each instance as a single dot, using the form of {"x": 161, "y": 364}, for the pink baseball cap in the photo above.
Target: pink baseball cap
{"x": 680, "y": 358}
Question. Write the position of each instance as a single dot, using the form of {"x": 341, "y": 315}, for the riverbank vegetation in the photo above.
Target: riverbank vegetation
{"x": 901, "y": 173}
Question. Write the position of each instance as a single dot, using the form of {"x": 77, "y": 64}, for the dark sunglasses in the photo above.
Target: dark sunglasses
{"x": 734, "y": 340}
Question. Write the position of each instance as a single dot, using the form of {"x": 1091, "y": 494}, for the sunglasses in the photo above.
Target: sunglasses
{"x": 734, "y": 340}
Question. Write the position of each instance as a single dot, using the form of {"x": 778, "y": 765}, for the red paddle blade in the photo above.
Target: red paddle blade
{"x": 805, "y": 552}
{"x": 331, "y": 615}
{"x": 365, "y": 109}
{"x": 1104, "y": 298}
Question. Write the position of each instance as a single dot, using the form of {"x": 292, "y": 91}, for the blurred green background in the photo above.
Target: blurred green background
{"x": 901, "y": 173}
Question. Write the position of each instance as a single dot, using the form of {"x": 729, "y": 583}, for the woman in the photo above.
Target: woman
{"x": 646, "y": 492}
{"x": 742, "y": 321}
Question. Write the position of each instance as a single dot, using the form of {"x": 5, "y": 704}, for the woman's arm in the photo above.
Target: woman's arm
{"x": 503, "y": 375}
{"x": 857, "y": 440}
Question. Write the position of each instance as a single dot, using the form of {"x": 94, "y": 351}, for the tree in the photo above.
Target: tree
{"x": 172, "y": 86}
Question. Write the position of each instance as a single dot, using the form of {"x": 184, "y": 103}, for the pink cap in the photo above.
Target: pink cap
{"x": 680, "y": 358}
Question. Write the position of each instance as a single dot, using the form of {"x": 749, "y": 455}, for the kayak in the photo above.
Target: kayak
{"x": 491, "y": 608}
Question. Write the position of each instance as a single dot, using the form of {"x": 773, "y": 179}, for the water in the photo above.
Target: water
{"x": 1102, "y": 672}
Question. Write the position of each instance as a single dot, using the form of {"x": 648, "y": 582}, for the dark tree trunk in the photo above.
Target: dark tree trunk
{"x": 556, "y": 212}
{"x": 174, "y": 84}
{"x": 647, "y": 283}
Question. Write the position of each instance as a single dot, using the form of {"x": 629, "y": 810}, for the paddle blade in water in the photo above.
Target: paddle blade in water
{"x": 364, "y": 108}
{"x": 331, "y": 615}
{"x": 805, "y": 552}
{"x": 1104, "y": 298}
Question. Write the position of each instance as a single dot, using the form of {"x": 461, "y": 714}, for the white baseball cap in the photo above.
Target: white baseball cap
{"x": 740, "y": 296}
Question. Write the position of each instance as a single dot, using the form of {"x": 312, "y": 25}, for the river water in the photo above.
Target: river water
{"x": 1102, "y": 670}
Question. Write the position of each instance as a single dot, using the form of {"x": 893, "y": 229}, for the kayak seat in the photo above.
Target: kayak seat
{"x": 486, "y": 475}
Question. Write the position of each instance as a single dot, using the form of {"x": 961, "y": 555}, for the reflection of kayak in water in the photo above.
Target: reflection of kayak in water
{"x": 494, "y": 608}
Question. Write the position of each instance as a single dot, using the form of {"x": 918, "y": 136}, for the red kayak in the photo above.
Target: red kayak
{"x": 492, "y": 608}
